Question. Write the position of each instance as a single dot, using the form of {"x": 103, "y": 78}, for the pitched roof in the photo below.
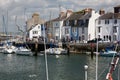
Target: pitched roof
{"x": 75, "y": 15}
{"x": 59, "y": 18}
{"x": 86, "y": 16}
{"x": 110, "y": 16}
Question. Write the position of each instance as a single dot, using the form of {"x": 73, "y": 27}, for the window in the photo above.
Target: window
{"x": 110, "y": 38}
{"x": 80, "y": 23}
{"x": 104, "y": 38}
{"x": 35, "y": 32}
{"x": 98, "y": 36}
{"x": 56, "y": 37}
{"x": 107, "y": 38}
{"x": 99, "y": 29}
{"x": 119, "y": 10}
{"x": 114, "y": 37}
{"x": 114, "y": 29}
{"x": 115, "y": 21}
{"x": 99, "y": 21}
{"x": 66, "y": 30}
{"x": 83, "y": 37}
{"x": 74, "y": 30}
{"x": 38, "y": 26}
{"x": 106, "y": 21}
{"x": 71, "y": 22}
{"x": 83, "y": 30}
{"x": 67, "y": 23}
{"x": 56, "y": 24}
{"x": 75, "y": 22}
{"x": 87, "y": 21}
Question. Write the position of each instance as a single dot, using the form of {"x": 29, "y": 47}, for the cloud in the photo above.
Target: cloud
{"x": 45, "y": 8}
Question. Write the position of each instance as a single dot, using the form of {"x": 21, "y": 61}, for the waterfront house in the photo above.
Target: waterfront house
{"x": 108, "y": 26}
{"x": 82, "y": 25}
{"x": 55, "y": 27}
{"x": 71, "y": 26}
{"x": 36, "y": 32}
{"x": 31, "y": 23}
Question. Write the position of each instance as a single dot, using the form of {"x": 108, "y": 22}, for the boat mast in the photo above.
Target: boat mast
{"x": 46, "y": 63}
{"x": 96, "y": 52}
{"x": 4, "y": 26}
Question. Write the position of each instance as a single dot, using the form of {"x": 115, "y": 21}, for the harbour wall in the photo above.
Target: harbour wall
{"x": 73, "y": 47}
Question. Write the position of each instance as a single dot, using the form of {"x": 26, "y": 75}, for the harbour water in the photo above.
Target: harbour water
{"x": 15, "y": 67}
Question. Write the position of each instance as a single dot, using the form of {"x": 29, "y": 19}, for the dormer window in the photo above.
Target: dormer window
{"x": 38, "y": 26}
{"x": 67, "y": 23}
{"x": 119, "y": 11}
{"x": 75, "y": 22}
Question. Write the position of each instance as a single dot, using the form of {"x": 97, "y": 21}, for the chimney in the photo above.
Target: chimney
{"x": 69, "y": 12}
{"x": 101, "y": 12}
{"x": 87, "y": 10}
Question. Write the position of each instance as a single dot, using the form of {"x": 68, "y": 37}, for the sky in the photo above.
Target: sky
{"x": 14, "y": 12}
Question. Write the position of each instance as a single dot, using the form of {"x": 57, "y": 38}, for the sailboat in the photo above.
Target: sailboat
{"x": 8, "y": 47}
{"x": 22, "y": 50}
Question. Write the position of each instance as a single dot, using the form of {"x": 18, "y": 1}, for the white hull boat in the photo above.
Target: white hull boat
{"x": 24, "y": 51}
{"x": 9, "y": 50}
{"x": 55, "y": 51}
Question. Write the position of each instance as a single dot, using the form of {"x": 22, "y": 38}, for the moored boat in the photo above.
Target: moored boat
{"x": 55, "y": 51}
{"x": 109, "y": 53}
{"x": 9, "y": 49}
{"x": 24, "y": 51}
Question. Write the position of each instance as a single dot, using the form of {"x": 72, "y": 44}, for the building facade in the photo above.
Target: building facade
{"x": 81, "y": 25}
{"x": 56, "y": 29}
{"x": 37, "y": 32}
{"x": 108, "y": 26}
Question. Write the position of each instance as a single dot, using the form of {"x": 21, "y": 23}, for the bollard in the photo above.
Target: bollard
{"x": 86, "y": 68}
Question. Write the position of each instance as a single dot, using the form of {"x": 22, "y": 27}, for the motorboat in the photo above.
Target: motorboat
{"x": 24, "y": 51}
{"x": 108, "y": 52}
{"x": 2, "y": 49}
{"x": 9, "y": 49}
{"x": 55, "y": 51}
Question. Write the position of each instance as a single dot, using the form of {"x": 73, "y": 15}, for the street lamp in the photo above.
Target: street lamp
{"x": 86, "y": 68}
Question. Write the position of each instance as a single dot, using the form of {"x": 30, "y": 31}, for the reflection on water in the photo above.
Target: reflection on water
{"x": 14, "y": 67}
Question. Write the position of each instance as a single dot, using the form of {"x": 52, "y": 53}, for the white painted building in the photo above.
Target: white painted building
{"x": 81, "y": 25}
{"x": 35, "y": 32}
{"x": 108, "y": 26}
{"x": 57, "y": 28}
